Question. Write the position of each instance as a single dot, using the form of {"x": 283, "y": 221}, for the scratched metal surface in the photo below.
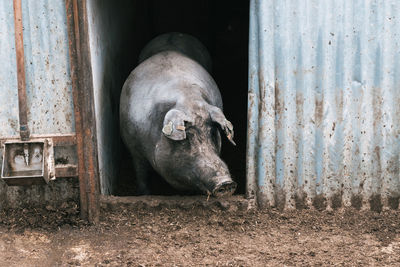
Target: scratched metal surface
{"x": 324, "y": 111}
{"x": 47, "y": 67}
{"x": 48, "y": 83}
{"x": 8, "y": 72}
{"x": 49, "y": 91}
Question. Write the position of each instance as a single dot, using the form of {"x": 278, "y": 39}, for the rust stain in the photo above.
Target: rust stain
{"x": 250, "y": 113}
{"x": 279, "y": 105}
{"x": 75, "y": 51}
{"x": 339, "y": 105}
{"x": 263, "y": 88}
{"x": 377, "y": 154}
{"x": 13, "y": 124}
{"x": 377, "y": 108}
{"x": 299, "y": 108}
{"x": 319, "y": 111}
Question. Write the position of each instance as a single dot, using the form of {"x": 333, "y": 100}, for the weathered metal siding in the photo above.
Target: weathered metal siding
{"x": 324, "y": 113}
{"x": 8, "y": 72}
{"x": 47, "y": 67}
{"x": 48, "y": 83}
{"x": 49, "y": 90}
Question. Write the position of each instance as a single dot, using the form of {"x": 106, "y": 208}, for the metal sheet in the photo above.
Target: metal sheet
{"x": 105, "y": 35}
{"x": 324, "y": 113}
{"x": 49, "y": 91}
{"x": 48, "y": 83}
{"x": 8, "y": 72}
{"x": 47, "y": 67}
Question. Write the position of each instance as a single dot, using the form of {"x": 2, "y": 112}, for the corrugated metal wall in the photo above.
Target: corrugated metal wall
{"x": 48, "y": 82}
{"x": 324, "y": 108}
{"x": 48, "y": 85}
{"x": 8, "y": 72}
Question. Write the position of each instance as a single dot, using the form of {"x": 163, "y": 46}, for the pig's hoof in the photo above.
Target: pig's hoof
{"x": 225, "y": 189}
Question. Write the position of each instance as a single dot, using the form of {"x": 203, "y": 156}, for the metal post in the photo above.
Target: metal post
{"x": 85, "y": 120}
{"x": 19, "y": 48}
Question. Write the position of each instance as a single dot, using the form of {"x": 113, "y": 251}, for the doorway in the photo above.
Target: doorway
{"x": 119, "y": 30}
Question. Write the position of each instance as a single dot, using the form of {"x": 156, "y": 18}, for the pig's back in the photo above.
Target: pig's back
{"x": 180, "y": 42}
{"x": 155, "y": 86}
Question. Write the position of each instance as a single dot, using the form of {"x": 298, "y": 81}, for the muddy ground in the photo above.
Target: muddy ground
{"x": 219, "y": 234}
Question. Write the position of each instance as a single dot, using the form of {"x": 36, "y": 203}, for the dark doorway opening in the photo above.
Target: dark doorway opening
{"x": 222, "y": 26}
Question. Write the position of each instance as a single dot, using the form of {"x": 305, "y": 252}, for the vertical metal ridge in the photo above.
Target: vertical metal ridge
{"x": 347, "y": 104}
{"x": 368, "y": 187}
{"x": 89, "y": 134}
{"x": 328, "y": 109}
{"x": 279, "y": 69}
{"x": 252, "y": 116}
{"x": 309, "y": 144}
{"x": 289, "y": 108}
{"x": 396, "y": 99}
{"x": 299, "y": 81}
{"x": 74, "y": 51}
{"x": 389, "y": 159}
{"x": 266, "y": 123}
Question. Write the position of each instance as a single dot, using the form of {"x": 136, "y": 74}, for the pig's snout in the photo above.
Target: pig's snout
{"x": 223, "y": 187}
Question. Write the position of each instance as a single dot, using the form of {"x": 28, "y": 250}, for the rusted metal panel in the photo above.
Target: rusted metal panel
{"x": 324, "y": 117}
{"x": 84, "y": 109}
{"x": 75, "y": 59}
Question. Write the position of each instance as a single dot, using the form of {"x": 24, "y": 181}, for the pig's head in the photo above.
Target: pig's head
{"x": 188, "y": 154}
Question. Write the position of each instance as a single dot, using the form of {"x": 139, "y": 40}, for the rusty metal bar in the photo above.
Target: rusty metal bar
{"x": 66, "y": 171}
{"x": 74, "y": 51}
{"x": 19, "y": 47}
{"x": 88, "y": 118}
{"x": 63, "y": 140}
{"x": 85, "y": 120}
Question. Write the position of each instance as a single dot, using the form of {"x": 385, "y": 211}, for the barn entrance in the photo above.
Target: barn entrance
{"x": 118, "y": 30}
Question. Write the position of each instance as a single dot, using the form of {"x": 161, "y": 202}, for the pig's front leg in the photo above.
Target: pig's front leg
{"x": 142, "y": 168}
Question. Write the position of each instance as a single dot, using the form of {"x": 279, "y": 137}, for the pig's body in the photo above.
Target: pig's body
{"x": 170, "y": 110}
{"x": 179, "y": 42}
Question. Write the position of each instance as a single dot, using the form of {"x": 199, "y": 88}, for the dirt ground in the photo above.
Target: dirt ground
{"x": 219, "y": 234}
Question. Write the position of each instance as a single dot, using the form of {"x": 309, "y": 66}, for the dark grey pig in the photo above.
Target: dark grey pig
{"x": 170, "y": 117}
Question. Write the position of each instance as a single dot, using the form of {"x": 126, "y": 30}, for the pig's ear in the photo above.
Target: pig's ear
{"x": 218, "y": 116}
{"x": 174, "y": 124}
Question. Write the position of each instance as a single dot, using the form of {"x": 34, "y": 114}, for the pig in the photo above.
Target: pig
{"x": 171, "y": 117}
{"x": 183, "y": 43}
